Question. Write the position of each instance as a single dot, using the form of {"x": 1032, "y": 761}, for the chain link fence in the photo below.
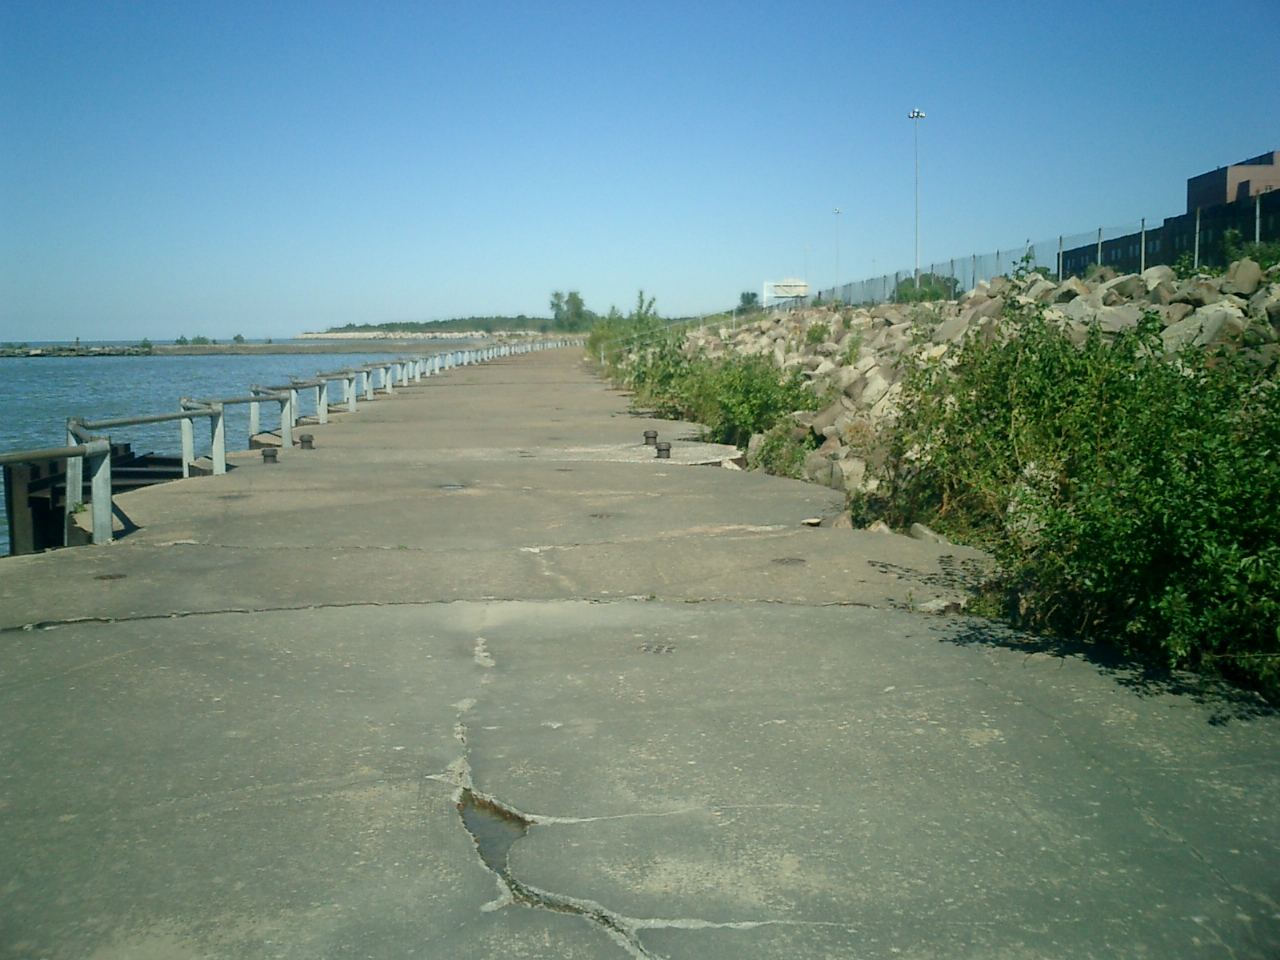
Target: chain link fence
{"x": 1127, "y": 248}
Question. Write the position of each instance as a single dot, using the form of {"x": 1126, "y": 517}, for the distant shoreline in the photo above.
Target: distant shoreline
{"x": 311, "y": 346}
{"x": 380, "y": 345}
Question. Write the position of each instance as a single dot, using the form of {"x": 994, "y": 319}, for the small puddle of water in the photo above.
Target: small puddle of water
{"x": 495, "y": 830}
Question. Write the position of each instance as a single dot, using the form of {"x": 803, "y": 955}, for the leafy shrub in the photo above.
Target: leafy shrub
{"x": 817, "y": 333}
{"x": 1125, "y": 496}
{"x": 782, "y": 455}
{"x": 733, "y": 397}
{"x": 739, "y": 396}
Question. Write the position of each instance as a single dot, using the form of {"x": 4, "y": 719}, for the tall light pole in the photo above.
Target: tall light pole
{"x": 837, "y": 296}
{"x": 915, "y": 116}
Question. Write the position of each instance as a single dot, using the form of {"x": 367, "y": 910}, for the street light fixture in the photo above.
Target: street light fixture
{"x": 915, "y": 116}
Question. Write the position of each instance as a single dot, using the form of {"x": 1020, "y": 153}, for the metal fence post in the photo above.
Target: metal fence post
{"x": 218, "y": 436}
{"x": 99, "y": 464}
{"x": 1197, "y": 256}
{"x": 1142, "y": 268}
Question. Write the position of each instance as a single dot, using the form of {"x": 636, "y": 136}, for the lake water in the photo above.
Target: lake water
{"x": 38, "y": 394}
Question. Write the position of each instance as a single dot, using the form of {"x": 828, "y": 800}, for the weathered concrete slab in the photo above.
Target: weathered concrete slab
{"x": 259, "y": 749}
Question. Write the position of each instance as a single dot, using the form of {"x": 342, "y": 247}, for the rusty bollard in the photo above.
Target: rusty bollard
{"x": 651, "y": 438}
{"x": 307, "y": 441}
{"x": 269, "y": 454}
{"x": 664, "y": 451}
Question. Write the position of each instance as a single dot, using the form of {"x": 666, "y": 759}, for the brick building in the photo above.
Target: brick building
{"x": 1244, "y": 197}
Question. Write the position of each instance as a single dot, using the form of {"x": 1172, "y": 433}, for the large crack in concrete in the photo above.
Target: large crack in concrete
{"x": 496, "y": 828}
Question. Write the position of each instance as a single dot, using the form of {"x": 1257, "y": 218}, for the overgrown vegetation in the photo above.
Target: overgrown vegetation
{"x": 733, "y": 397}
{"x": 1127, "y": 497}
{"x": 932, "y": 287}
{"x": 1215, "y": 259}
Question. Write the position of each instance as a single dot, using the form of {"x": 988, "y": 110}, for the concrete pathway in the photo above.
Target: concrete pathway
{"x": 683, "y": 723}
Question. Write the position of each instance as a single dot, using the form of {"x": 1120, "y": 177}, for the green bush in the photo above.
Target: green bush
{"x": 817, "y": 333}
{"x": 733, "y": 397}
{"x": 738, "y": 396}
{"x": 1126, "y": 496}
{"x": 782, "y": 455}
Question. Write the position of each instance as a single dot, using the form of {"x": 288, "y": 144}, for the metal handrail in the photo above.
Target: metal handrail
{"x": 93, "y": 453}
{"x": 55, "y": 453}
{"x": 147, "y": 418}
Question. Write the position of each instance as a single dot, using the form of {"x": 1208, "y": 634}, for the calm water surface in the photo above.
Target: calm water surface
{"x": 38, "y": 394}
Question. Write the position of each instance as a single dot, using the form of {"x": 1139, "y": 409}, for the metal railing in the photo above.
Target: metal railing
{"x": 88, "y": 453}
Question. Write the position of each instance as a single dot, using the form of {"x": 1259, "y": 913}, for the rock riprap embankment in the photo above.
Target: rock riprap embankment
{"x": 856, "y": 356}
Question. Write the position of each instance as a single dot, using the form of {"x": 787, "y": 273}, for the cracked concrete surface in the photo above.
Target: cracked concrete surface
{"x": 728, "y": 735}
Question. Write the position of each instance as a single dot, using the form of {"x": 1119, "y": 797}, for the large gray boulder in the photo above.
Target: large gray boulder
{"x": 952, "y": 330}
{"x": 1152, "y": 277}
{"x": 1219, "y": 321}
{"x": 1126, "y": 287}
{"x": 1265, "y": 304}
{"x": 1040, "y": 289}
{"x": 1243, "y": 278}
{"x": 919, "y": 531}
{"x": 826, "y": 417}
{"x": 1068, "y": 290}
{"x": 819, "y": 467}
{"x": 1123, "y": 317}
{"x": 1199, "y": 291}
{"x": 877, "y": 386}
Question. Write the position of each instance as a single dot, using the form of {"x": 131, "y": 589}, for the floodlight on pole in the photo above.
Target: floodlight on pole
{"x": 915, "y": 116}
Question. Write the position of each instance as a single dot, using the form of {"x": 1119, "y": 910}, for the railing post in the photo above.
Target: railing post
{"x": 255, "y": 420}
{"x": 349, "y": 386}
{"x": 188, "y": 445}
{"x": 218, "y": 435}
{"x": 322, "y": 401}
{"x": 286, "y": 420}
{"x": 368, "y": 384}
{"x": 75, "y": 485}
{"x": 388, "y": 384}
{"x": 294, "y": 411}
{"x": 99, "y": 464}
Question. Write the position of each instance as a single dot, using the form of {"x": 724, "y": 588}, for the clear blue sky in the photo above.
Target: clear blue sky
{"x": 266, "y": 168}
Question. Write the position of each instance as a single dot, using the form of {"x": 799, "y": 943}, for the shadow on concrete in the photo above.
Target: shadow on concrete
{"x": 1144, "y": 675}
{"x": 129, "y": 526}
